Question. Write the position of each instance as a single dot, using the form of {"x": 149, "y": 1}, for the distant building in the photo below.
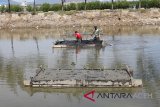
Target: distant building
{"x": 24, "y": 5}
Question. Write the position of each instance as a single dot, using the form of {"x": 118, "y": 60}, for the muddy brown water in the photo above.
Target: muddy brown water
{"x": 23, "y": 50}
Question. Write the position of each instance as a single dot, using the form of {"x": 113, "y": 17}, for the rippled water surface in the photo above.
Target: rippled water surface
{"x": 23, "y": 50}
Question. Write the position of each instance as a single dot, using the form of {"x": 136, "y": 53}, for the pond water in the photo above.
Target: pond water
{"x": 23, "y": 50}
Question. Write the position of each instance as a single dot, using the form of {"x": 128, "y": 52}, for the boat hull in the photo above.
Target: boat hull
{"x": 74, "y": 43}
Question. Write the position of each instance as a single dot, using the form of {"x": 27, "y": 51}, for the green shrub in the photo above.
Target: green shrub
{"x": 121, "y": 5}
{"x": 55, "y": 7}
{"x": 29, "y": 8}
{"x": 93, "y": 5}
{"x": 153, "y": 3}
{"x": 106, "y": 5}
{"x": 81, "y": 6}
{"x": 2, "y": 8}
{"x": 45, "y": 7}
{"x": 71, "y": 6}
{"x": 15, "y": 8}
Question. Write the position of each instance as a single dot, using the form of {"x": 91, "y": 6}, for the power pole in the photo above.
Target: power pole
{"x": 62, "y": 1}
{"x": 9, "y": 6}
{"x": 34, "y": 6}
{"x": 112, "y": 5}
{"x": 139, "y": 3}
{"x": 85, "y": 4}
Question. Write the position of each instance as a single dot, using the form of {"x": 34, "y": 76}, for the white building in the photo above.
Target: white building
{"x": 24, "y": 5}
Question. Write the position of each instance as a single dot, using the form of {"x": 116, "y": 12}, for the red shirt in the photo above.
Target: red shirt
{"x": 78, "y": 35}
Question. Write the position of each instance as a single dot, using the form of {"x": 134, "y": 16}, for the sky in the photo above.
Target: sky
{"x": 40, "y": 1}
{"x": 37, "y": 1}
{"x": 50, "y": 1}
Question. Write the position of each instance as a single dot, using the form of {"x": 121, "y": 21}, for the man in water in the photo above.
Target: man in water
{"x": 78, "y": 36}
{"x": 96, "y": 33}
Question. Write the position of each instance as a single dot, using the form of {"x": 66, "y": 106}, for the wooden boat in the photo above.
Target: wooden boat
{"x": 75, "y": 43}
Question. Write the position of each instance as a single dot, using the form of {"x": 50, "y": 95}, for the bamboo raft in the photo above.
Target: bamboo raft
{"x": 83, "y": 78}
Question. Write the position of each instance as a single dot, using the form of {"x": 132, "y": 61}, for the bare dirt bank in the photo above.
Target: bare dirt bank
{"x": 81, "y": 18}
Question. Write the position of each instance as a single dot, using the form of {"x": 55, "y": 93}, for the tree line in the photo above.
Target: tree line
{"x": 82, "y": 6}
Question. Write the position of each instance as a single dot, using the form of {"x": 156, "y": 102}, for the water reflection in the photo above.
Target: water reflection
{"x": 24, "y": 34}
{"x": 12, "y": 46}
{"x": 36, "y": 40}
{"x": 21, "y": 51}
{"x": 78, "y": 92}
{"x": 93, "y": 59}
{"x": 73, "y": 58}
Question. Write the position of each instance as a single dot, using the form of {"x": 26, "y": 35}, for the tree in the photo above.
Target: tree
{"x": 9, "y": 6}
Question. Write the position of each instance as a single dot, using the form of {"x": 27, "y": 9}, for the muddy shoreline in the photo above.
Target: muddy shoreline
{"x": 140, "y": 17}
